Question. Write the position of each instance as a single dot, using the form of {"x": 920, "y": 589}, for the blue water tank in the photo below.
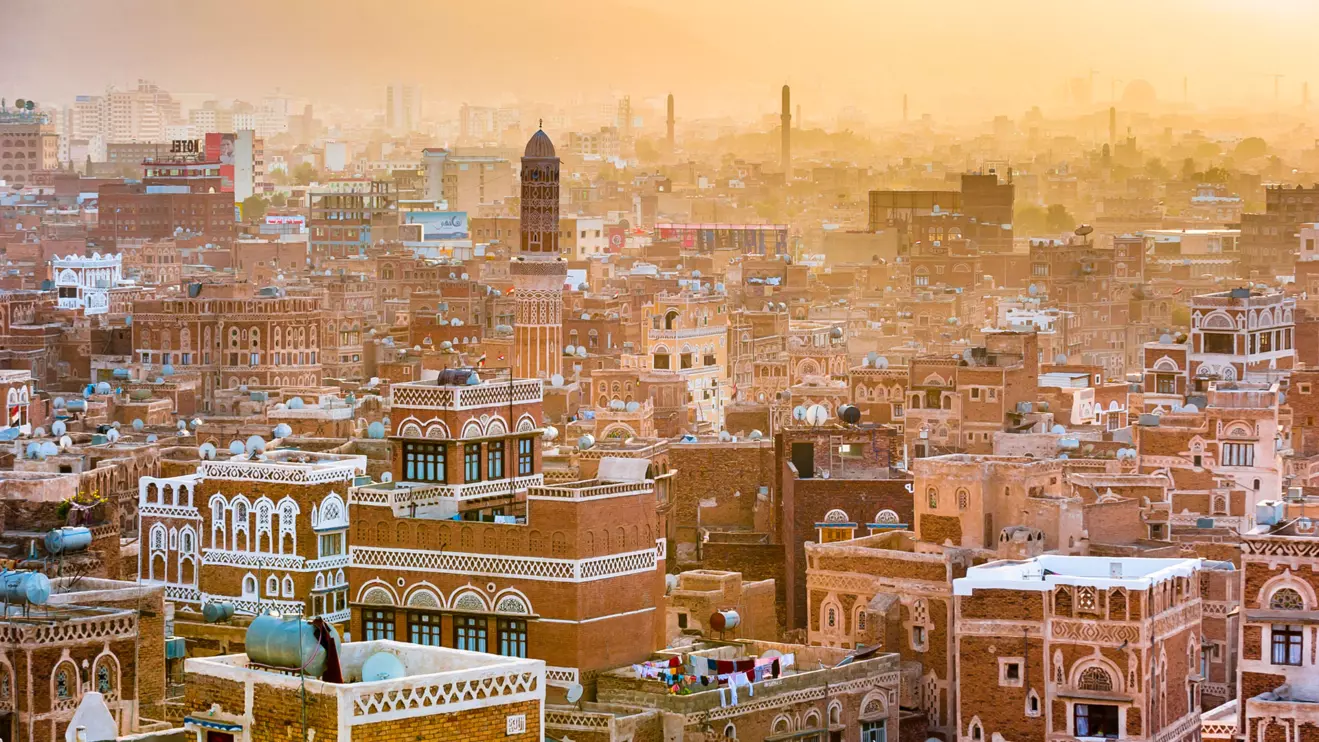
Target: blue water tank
{"x": 217, "y": 612}
{"x": 24, "y": 587}
{"x": 68, "y": 539}
{"x": 287, "y": 643}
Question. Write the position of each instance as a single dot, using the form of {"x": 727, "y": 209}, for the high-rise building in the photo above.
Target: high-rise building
{"x": 402, "y": 109}
{"x": 538, "y": 269}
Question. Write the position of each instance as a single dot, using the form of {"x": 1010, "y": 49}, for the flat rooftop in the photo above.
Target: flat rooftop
{"x": 1043, "y": 573}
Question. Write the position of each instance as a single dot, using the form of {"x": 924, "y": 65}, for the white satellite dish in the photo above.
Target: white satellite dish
{"x": 574, "y": 693}
{"x": 556, "y": 380}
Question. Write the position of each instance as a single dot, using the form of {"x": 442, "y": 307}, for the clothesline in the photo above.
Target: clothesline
{"x": 700, "y": 673}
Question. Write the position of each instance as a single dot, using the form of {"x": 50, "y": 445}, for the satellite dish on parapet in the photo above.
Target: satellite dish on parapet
{"x": 574, "y": 693}
{"x": 556, "y": 380}
{"x": 382, "y": 666}
{"x": 1084, "y": 229}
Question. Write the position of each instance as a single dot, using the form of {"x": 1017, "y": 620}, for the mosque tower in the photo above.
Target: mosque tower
{"x": 538, "y": 269}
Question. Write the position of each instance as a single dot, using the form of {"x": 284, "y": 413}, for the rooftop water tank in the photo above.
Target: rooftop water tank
{"x": 24, "y": 588}
{"x": 287, "y": 643}
{"x": 67, "y": 540}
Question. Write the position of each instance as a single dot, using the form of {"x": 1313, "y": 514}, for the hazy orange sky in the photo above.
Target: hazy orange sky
{"x": 963, "y": 58}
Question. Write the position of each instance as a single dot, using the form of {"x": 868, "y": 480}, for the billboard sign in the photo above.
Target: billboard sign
{"x": 220, "y": 148}
{"x": 439, "y": 225}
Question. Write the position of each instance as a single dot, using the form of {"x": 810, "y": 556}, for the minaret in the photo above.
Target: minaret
{"x": 669, "y": 135}
{"x": 1112, "y": 126}
{"x": 538, "y": 270}
{"x": 785, "y": 121}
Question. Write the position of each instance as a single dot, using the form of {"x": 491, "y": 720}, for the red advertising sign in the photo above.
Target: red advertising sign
{"x": 617, "y": 238}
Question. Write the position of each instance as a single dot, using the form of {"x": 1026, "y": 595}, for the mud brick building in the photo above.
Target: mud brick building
{"x": 445, "y": 694}
{"x": 1279, "y": 680}
{"x": 1222, "y": 459}
{"x": 832, "y": 481}
{"x": 956, "y": 403}
{"x": 965, "y": 500}
{"x": 1242, "y": 334}
{"x": 816, "y": 700}
{"x": 92, "y": 636}
{"x": 232, "y": 341}
{"x": 698, "y": 594}
{"x": 1060, "y": 646}
{"x": 271, "y": 533}
{"x": 890, "y": 590}
{"x": 468, "y": 547}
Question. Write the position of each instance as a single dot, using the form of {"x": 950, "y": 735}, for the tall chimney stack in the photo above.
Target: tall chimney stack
{"x": 1112, "y": 126}
{"x": 785, "y": 121}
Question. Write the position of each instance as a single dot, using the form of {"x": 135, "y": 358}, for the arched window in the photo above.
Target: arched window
{"x": 65, "y": 681}
{"x": 932, "y": 498}
{"x": 963, "y": 499}
{"x": 272, "y": 586}
{"x": 1286, "y": 599}
{"x": 249, "y": 586}
{"x": 886, "y": 516}
{"x": 286, "y": 587}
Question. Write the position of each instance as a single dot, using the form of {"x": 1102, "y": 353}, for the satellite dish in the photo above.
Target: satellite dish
{"x": 1060, "y": 359}
{"x": 817, "y": 414}
{"x": 633, "y": 406}
{"x": 1084, "y": 230}
{"x": 556, "y": 380}
{"x": 138, "y": 424}
{"x": 569, "y": 350}
{"x": 850, "y": 414}
{"x": 375, "y": 430}
{"x": 236, "y": 447}
{"x": 574, "y": 693}
{"x": 282, "y": 431}
{"x": 387, "y": 477}
{"x": 66, "y": 442}
{"x": 206, "y": 451}
{"x": 58, "y": 428}
{"x": 550, "y": 433}
{"x": 799, "y": 413}
{"x": 112, "y": 435}
{"x": 255, "y": 444}
{"x": 724, "y": 435}
{"x": 152, "y": 438}
{"x": 756, "y": 435}
{"x": 382, "y": 666}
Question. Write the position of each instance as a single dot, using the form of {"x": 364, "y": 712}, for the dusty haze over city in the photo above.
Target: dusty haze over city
{"x": 960, "y": 60}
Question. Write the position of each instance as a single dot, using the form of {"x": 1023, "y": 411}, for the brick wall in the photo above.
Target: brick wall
{"x": 1001, "y": 707}
{"x": 1007, "y": 605}
{"x": 939, "y": 529}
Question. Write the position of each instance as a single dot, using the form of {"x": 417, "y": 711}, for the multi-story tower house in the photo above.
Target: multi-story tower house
{"x": 1278, "y": 678}
{"x": 260, "y": 531}
{"x": 538, "y": 269}
{"x": 687, "y": 332}
{"x": 1061, "y": 647}
{"x": 1241, "y": 334}
{"x": 231, "y": 342}
{"x": 468, "y": 547}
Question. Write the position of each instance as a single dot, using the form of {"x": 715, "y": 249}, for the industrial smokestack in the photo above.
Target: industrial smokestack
{"x": 1112, "y": 126}
{"x": 785, "y": 121}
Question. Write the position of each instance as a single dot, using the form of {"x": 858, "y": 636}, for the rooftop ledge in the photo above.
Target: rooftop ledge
{"x": 437, "y": 679}
{"x": 1045, "y": 572}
